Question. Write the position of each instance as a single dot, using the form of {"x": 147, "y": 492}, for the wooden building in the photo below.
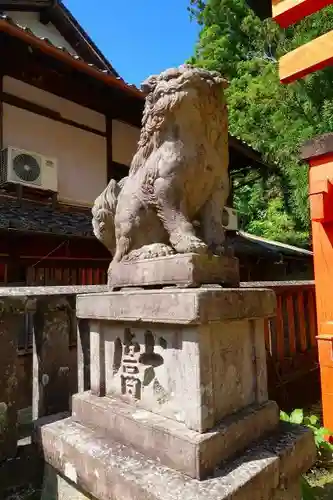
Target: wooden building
{"x": 61, "y": 99}
{"x": 265, "y": 260}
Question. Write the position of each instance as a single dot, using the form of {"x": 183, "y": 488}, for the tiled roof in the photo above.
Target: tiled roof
{"x": 6, "y": 22}
{"x": 30, "y": 216}
{"x": 249, "y": 244}
{"x": 34, "y": 217}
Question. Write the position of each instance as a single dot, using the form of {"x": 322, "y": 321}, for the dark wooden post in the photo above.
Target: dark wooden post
{"x": 51, "y": 361}
{"x": 11, "y": 321}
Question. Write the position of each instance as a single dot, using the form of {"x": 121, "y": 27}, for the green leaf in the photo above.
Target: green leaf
{"x": 296, "y": 417}
{"x": 284, "y": 416}
{"x": 275, "y": 119}
{"x": 313, "y": 419}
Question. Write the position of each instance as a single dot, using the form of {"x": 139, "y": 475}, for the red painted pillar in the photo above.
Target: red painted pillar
{"x": 318, "y": 153}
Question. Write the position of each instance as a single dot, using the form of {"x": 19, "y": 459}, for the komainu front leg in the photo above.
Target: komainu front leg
{"x": 172, "y": 213}
{"x": 211, "y": 220}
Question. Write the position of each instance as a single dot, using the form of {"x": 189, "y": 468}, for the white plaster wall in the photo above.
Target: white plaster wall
{"x": 68, "y": 109}
{"x": 124, "y": 142}
{"x": 82, "y": 163}
{"x": 31, "y": 20}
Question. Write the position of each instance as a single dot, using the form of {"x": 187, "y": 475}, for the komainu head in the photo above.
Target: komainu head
{"x": 181, "y": 95}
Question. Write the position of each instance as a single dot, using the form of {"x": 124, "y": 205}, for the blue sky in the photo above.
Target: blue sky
{"x": 138, "y": 37}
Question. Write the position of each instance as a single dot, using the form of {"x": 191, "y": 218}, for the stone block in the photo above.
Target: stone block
{"x": 206, "y": 362}
{"x": 56, "y": 487}
{"x": 178, "y": 306}
{"x": 189, "y": 270}
{"x": 106, "y": 469}
{"x": 170, "y": 442}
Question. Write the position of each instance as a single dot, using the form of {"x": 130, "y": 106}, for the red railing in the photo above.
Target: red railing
{"x": 68, "y": 273}
{"x": 291, "y": 345}
{"x": 292, "y": 355}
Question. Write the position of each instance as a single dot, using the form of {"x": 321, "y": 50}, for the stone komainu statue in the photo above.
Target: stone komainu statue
{"x": 173, "y": 198}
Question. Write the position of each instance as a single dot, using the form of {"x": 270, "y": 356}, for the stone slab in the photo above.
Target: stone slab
{"x": 178, "y": 306}
{"x": 170, "y": 442}
{"x": 59, "y": 488}
{"x": 190, "y": 270}
{"x": 106, "y": 469}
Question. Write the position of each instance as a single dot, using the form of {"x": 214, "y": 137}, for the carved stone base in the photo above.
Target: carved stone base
{"x": 172, "y": 443}
{"x": 192, "y": 355}
{"x": 104, "y": 469}
{"x": 187, "y": 270}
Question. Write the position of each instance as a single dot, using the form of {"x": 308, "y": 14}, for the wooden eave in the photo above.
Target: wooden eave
{"x": 74, "y": 62}
{"x": 310, "y": 57}
{"x": 34, "y": 67}
{"x": 55, "y": 12}
{"x": 26, "y": 5}
{"x": 288, "y": 12}
{"x": 76, "y": 36}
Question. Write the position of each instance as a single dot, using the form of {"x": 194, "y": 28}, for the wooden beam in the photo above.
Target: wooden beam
{"x": 109, "y": 157}
{"x": 48, "y": 74}
{"x": 76, "y": 64}
{"x": 119, "y": 171}
{"x": 1, "y": 112}
{"x": 37, "y": 109}
{"x": 312, "y": 56}
{"x": 287, "y": 12}
{"x": 24, "y": 5}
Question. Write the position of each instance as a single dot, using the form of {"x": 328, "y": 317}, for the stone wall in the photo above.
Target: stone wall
{"x": 46, "y": 380}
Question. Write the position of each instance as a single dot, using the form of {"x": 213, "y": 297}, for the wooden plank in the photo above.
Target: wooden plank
{"x": 109, "y": 154}
{"x": 301, "y": 322}
{"x": 308, "y": 58}
{"x": 267, "y": 335}
{"x": 287, "y": 12}
{"x": 312, "y": 317}
{"x": 291, "y": 325}
{"x": 279, "y": 329}
{"x": 1, "y": 113}
{"x": 37, "y": 109}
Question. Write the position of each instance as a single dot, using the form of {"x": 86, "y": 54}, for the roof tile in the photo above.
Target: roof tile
{"x": 26, "y": 29}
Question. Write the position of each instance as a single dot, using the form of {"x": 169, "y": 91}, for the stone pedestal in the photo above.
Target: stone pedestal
{"x": 185, "y": 270}
{"x": 178, "y": 405}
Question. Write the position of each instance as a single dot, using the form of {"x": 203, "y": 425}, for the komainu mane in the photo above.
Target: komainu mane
{"x": 178, "y": 176}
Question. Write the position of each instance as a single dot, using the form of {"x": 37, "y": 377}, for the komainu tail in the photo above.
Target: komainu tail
{"x": 104, "y": 211}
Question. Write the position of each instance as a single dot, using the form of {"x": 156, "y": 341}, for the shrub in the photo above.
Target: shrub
{"x": 323, "y": 440}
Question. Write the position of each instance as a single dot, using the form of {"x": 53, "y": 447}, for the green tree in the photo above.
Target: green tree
{"x": 273, "y": 118}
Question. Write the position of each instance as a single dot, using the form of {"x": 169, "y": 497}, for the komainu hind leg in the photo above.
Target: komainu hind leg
{"x": 181, "y": 232}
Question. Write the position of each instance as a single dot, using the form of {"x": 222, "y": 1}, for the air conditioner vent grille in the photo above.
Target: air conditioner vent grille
{"x": 26, "y": 167}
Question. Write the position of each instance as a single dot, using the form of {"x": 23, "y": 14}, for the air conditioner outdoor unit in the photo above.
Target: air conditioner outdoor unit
{"x": 29, "y": 169}
{"x": 230, "y": 219}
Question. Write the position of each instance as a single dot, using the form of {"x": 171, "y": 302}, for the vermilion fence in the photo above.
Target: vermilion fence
{"x": 292, "y": 355}
{"x": 291, "y": 345}
{"x": 68, "y": 273}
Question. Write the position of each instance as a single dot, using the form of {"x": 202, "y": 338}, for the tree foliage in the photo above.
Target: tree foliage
{"x": 273, "y": 118}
